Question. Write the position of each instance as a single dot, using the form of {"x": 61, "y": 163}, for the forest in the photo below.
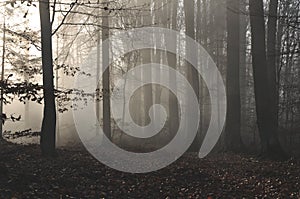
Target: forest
{"x": 150, "y": 99}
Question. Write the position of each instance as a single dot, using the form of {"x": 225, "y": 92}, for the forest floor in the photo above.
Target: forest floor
{"x": 24, "y": 173}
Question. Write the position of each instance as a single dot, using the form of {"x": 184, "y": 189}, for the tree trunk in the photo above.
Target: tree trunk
{"x": 271, "y": 57}
{"x": 147, "y": 90}
{"x": 98, "y": 72}
{"x": 243, "y": 64}
{"x": 233, "y": 117}
{"x": 192, "y": 74}
{"x": 266, "y": 121}
{"x": 172, "y": 61}
{"x": 106, "y": 75}
{"x": 157, "y": 58}
{"x": 49, "y": 120}
{"x": 2, "y": 118}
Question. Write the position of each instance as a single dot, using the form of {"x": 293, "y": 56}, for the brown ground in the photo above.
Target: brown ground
{"x": 24, "y": 173}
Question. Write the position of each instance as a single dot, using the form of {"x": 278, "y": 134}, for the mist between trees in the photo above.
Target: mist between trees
{"x": 254, "y": 44}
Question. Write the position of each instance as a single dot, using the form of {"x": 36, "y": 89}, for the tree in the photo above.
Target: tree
{"x": 233, "y": 117}
{"x": 48, "y": 130}
{"x": 271, "y": 56}
{"x": 106, "y": 74}
{"x": 172, "y": 61}
{"x": 192, "y": 74}
{"x": 244, "y": 21}
{"x": 147, "y": 90}
{"x": 2, "y": 79}
{"x": 266, "y": 120}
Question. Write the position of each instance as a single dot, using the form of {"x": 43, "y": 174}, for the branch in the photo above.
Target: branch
{"x": 65, "y": 17}
{"x": 53, "y": 15}
{"x": 92, "y": 24}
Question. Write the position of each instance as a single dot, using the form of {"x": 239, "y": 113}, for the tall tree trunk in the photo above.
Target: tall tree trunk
{"x": 279, "y": 57}
{"x": 192, "y": 74}
{"x": 233, "y": 117}
{"x": 106, "y": 75}
{"x": 271, "y": 56}
{"x": 147, "y": 90}
{"x": 172, "y": 61}
{"x": 243, "y": 64}
{"x": 204, "y": 94}
{"x": 205, "y": 31}
{"x": 98, "y": 72}
{"x": 49, "y": 120}
{"x": 266, "y": 121}
{"x": 199, "y": 37}
{"x": 2, "y": 118}
{"x": 157, "y": 57}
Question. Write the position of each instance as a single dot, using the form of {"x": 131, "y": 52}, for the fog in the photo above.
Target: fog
{"x": 82, "y": 32}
